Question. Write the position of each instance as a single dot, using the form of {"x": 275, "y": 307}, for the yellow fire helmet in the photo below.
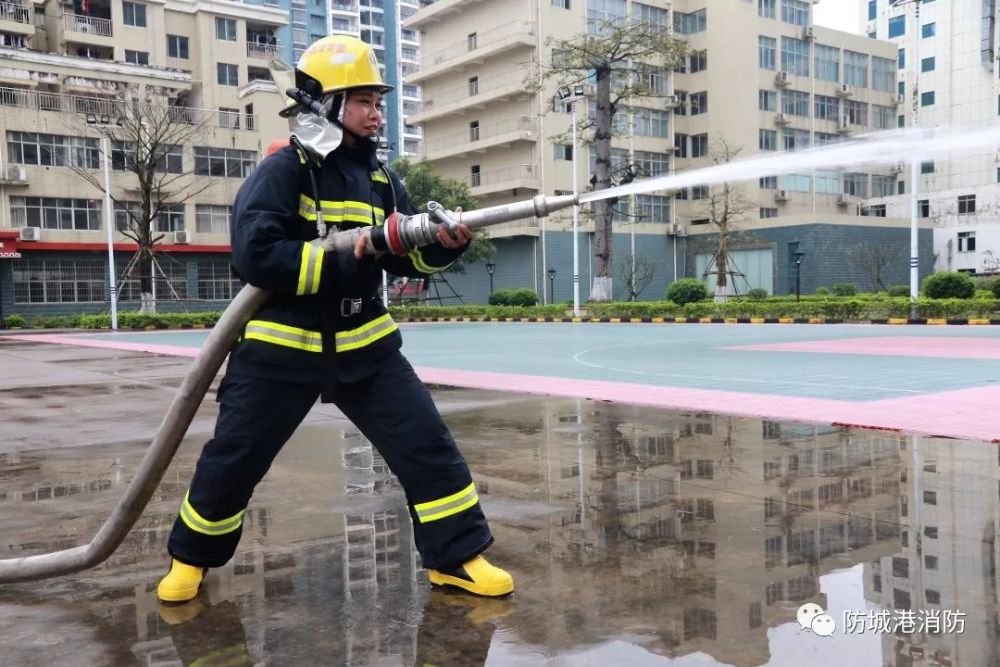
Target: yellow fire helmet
{"x": 336, "y": 63}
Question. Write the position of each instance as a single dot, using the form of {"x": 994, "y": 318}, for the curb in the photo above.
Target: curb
{"x": 710, "y": 320}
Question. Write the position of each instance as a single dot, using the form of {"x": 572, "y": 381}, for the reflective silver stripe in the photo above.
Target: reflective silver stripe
{"x": 365, "y": 335}
{"x": 309, "y": 271}
{"x": 282, "y": 334}
{"x": 195, "y": 522}
{"x": 447, "y": 506}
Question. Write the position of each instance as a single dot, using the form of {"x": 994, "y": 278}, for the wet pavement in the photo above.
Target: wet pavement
{"x": 637, "y": 535}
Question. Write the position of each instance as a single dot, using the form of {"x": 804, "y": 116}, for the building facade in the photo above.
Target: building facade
{"x": 380, "y": 23}
{"x": 947, "y": 67}
{"x": 758, "y": 75}
{"x": 67, "y": 75}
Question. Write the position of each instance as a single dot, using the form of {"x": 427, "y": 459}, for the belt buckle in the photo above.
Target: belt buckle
{"x": 350, "y": 307}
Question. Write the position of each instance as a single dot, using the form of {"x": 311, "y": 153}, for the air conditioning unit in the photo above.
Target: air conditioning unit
{"x": 676, "y": 229}
{"x": 844, "y": 126}
{"x": 182, "y": 237}
{"x": 845, "y": 200}
{"x": 808, "y": 32}
{"x": 843, "y": 90}
{"x": 900, "y": 99}
{"x": 898, "y": 168}
{"x": 15, "y": 174}
{"x": 30, "y": 234}
{"x": 672, "y": 101}
{"x": 781, "y": 78}
{"x": 781, "y": 195}
{"x": 780, "y": 119}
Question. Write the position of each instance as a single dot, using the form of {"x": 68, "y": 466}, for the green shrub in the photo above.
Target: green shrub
{"x": 687, "y": 290}
{"x": 949, "y": 285}
{"x": 996, "y": 289}
{"x": 822, "y": 291}
{"x": 844, "y": 289}
{"x": 15, "y": 321}
{"x": 757, "y": 294}
{"x": 899, "y": 290}
{"x": 514, "y": 297}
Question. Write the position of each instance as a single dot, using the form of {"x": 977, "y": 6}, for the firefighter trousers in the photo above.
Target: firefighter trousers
{"x": 392, "y": 408}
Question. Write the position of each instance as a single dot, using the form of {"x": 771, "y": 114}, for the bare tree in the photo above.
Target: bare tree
{"x": 636, "y": 275}
{"x": 628, "y": 62}
{"x": 726, "y": 206}
{"x": 146, "y": 139}
{"x": 873, "y": 260}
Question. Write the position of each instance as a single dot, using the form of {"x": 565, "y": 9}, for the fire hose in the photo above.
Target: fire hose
{"x": 399, "y": 235}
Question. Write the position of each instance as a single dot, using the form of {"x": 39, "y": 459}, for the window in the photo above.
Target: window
{"x": 768, "y": 183}
{"x": 229, "y": 118}
{"x": 563, "y": 152}
{"x": 967, "y": 204}
{"x": 827, "y": 182}
{"x": 796, "y": 182}
{"x": 177, "y": 47}
{"x": 930, "y": 497}
{"x": 215, "y": 279}
{"x": 170, "y": 217}
{"x": 225, "y": 29}
{"x": 931, "y": 532}
{"x": 928, "y": 30}
{"x": 827, "y": 62}
{"x": 474, "y": 130}
{"x": 229, "y": 75}
{"x": 699, "y": 145}
{"x": 856, "y": 113}
{"x": 654, "y": 164}
{"x": 927, "y": 167}
{"x": 473, "y": 86}
{"x": 826, "y": 108}
{"x": 795, "y": 56}
{"x": 883, "y": 117}
{"x": 134, "y": 14}
{"x": 765, "y": 8}
{"x": 927, "y": 99}
{"x": 856, "y": 69}
{"x": 826, "y": 138}
{"x": 927, "y": 64}
{"x": 767, "y": 100}
{"x": 680, "y": 144}
{"x": 212, "y": 219}
{"x": 652, "y": 208}
{"x": 561, "y": 4}
{"x": 602, "y": 12}
{"x": 924, "y": 208}
{"x": 872, "y": 10}
{"x": 795, "y": 103}
{"x": 766, "y": 213}
{"x": 901, "y": 59}
{"x": 883, "y": 186}
{"x": 856, "y": 184}
{"x": 136, "y": 57}
{"x": 795, "y": 12}
{"x": 475, "y": 176}
{"x": 651, "y": 15}
{"x": 55, "y": 213}
{"x": 766, "y": 48}
{"x": 230, "y": 162}
{"x": 699, "y": 103}
{"x": 966, "y": 241}
{"x": 651, "y": 122}
{"x": 897, "y": 26}
{"x": 699, "y": 61}
{"x": 60, "y": 280}
{"x": 53, "y": 150}
{"x": 883, "y": 74}
{"x": 699, "y": 192}
{"x": 688, "y": 24}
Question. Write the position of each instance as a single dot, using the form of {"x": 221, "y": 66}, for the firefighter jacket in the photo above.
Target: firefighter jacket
{"x": 324, "y": 321}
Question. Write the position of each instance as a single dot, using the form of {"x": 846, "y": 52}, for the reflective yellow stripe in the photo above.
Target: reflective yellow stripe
{"x": 378, "y": 328}
{"x": 341, "y": 211}
{"x": 444, "y": 507}
{"x": 379, "y": 177}
{"x": 195, "y": 522}
{"x": 420, "y": 265}
{"x": 309, "y": 269}
{"x": 282, "y": 334}
{"x": 225, "y": 657}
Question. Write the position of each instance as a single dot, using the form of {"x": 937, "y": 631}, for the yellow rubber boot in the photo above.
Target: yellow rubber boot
{"x": 475, "y": 576}
{"x": 181, "y": 583}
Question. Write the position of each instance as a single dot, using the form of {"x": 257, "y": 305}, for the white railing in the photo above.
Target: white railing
{"x": 15, "y": 12}
{"x": 115, "y": 107}
{"x": 501, "y": 175}
{"x": 478, "y": 41}
{"x": 469, "y": 89}
{"x": 497, "y": 129}
{"x": 260, "y": 50}
{"x": 87, "y": 24}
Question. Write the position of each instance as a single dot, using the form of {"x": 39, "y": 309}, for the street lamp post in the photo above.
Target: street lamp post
{"x": 552, "y": 279}
{"x": 573, "y": 96}
{"x": 101, "y": 123}
{"x": 798, "y": 272}
{"x": 490, "y": 268}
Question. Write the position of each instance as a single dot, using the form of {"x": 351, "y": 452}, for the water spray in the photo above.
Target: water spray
{"x": 401, "y": 234}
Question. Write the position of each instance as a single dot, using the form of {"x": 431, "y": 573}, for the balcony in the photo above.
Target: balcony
{"x": 475, "y": 49}
{"x": 522, "y": 227}
{"x": 87, "y": 29}
{"x": 344, "y": 7}
{"x": 503, "y": 133}
{"x": 262, "y": 50}
{"x": 518, "y": 176}
{"x": 435, "y": 12}
{"x": 474, "y": 94}
{"x": 17, "y": 19}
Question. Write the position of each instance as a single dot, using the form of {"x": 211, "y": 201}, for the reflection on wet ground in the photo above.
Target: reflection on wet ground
{"x": 637, "y": 536}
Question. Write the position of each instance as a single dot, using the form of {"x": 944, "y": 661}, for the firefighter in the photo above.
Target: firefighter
{"x": 324, "y": 334}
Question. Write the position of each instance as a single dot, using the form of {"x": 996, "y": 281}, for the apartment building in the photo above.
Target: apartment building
{"x": 760, "y": 75}
{"x": 947, "y": 66}
{"x": 397, "y": 48}
{"x": 307, "y": 22}
{"x": 65, "y": 71}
